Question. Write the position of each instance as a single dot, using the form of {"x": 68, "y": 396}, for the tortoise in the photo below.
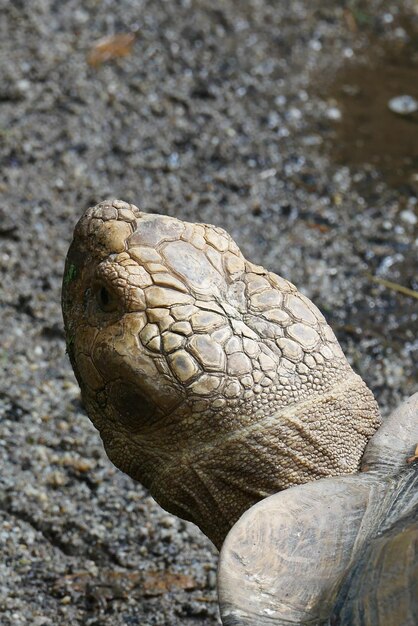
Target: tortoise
{"x": 222, "y": 389}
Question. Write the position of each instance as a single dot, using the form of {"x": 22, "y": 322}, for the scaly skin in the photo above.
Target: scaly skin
{"x": 212, "y": 381}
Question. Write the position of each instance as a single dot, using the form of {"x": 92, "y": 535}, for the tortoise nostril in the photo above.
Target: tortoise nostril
{"x": 104, "y": 296}
{"x": 106, "y": 300}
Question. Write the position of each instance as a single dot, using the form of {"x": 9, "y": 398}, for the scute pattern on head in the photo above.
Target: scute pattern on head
{"x": 228, "y": 361}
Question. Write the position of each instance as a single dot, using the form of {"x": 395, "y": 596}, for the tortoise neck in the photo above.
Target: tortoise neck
{"x": 323, "y": 436}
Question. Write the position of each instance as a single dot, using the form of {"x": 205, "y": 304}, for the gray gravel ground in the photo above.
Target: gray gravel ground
{"x": 221, "y": 113}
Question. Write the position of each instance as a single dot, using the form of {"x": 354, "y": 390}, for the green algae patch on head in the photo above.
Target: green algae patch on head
{"x": 70, "y": 273}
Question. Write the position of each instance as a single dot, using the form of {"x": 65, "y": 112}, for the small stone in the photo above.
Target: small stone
{"x": 81, "y": 465}
{"x": 403, "y": 105}
{"x": 65, "y": 600}
{"x": 408, "y": 217}
{"x": 23, "y": 85}
{"x": 334, "y": 113}
{"x": 56, "y": 479}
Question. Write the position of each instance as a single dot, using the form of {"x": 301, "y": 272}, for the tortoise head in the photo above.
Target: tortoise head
{"x": 212, "y": 381}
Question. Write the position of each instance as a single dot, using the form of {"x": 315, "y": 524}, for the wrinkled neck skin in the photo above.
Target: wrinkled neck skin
{"x": 212, "y": 381}
{"x": 212, "y": 482}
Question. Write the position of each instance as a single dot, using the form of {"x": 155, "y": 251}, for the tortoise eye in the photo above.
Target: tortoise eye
{"x": 106, "y": 299}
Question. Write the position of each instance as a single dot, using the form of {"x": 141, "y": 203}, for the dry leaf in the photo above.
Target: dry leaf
{"x": 350, "y": 21}
{"x": 394, "y": 286}
{"x": 112, "y": 47}
{"x": 117, "y": 583}
{"x": 157, "y": 583}
{"x": 321, "y": 227}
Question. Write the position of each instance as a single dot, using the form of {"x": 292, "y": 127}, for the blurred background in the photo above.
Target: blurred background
{"x": 294, "y": 125}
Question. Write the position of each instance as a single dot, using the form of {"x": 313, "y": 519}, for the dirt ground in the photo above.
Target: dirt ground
{"x": 233, "y": 112}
